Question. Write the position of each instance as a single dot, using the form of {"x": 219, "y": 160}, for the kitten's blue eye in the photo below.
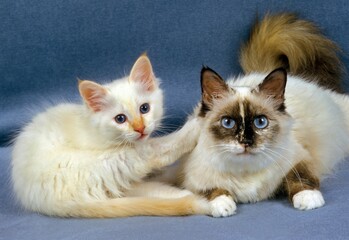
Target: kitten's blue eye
{"x": 261, "y": 122}
{"x": 227, "y": 122}
{"x": 144, "y": 108}
{"x": 121, "y": 118}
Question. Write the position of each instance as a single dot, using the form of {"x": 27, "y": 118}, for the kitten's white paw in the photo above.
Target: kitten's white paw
{"x": 308, "y": 199}
{"x": 222, "y": 206}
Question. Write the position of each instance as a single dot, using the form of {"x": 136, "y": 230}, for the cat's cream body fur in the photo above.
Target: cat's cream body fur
{"x": 76, "y": 160}
{"x": 317, "y": 130}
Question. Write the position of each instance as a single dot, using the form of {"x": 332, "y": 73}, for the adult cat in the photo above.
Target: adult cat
{"x": 262, "y": 136}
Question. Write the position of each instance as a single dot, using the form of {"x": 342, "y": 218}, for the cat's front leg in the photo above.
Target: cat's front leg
{"x": 163, "y": 151}
{"x": 221, "y": 202}
{"x": 302, "y": 188}
{"x": 308, "y": 199}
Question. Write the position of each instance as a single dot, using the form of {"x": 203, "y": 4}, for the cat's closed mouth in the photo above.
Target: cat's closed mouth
{"x": 142, "y": 136}
{"x": 245, "y": 152}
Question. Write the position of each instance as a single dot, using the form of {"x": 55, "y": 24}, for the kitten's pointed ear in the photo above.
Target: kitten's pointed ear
{"x": 93, "y": 94}
{"x": 142, "y": 72}
{"x": 212, "y": 86}
{"x": 274, "y": 84}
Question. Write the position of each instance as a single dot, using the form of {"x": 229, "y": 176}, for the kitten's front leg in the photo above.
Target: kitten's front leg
{"x": 165, "y": 150}
{"x": 302, "y": 188}
{"x": 221, "y": 202}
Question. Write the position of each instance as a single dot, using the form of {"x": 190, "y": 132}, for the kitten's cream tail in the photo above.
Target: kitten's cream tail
{"x": 132, "y": 206}
{"x": 283, "y": 40}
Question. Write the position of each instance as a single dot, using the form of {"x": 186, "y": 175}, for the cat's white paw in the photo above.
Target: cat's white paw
{"x": 308, "y": 199}
{"x": 222, "y": 206}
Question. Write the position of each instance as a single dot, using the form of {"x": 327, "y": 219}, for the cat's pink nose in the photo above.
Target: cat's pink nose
{"x": 139, "y": 129}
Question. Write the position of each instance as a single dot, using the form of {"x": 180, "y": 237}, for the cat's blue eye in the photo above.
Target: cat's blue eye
{"x": 144, "y": 108}
{"x": 227, "y": 122}
{"x": 261, "y": 122}
{"x": 121, "y": 118}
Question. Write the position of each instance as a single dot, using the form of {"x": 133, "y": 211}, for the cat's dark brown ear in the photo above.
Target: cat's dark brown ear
{"x": 142, "y": 72}
{"x": 93, "y": 94}
{"x": 274, "y": 85}
{"x": 212, "y": 86}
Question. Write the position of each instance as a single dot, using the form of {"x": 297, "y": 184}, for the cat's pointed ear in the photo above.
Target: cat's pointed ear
{"x": 212, "y": 86}
{"x": 274, "y": 85}
{"x": 142, "y": 72}
{"x": 93, "y": 94}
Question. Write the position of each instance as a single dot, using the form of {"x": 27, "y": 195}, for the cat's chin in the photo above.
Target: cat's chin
{"x": 242, "y": 162}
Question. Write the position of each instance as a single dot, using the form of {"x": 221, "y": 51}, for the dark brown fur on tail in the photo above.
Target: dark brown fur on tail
{"x": 284, "y": 40}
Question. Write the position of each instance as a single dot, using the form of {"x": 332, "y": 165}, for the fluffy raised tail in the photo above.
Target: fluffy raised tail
{"x": 284, "y": 40}
{"x": 132, "y": 206}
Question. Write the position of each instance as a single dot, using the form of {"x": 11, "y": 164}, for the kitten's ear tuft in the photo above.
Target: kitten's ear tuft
{"x": 93, "y": 94}
{"x": 79, "y": 80}
{"x": 212, "y": 86}
{"x": 274, "y": 84}
{"x": 142, "y": 72}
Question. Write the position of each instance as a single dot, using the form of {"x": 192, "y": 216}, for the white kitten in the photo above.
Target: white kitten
{"x": 89, "y": 160}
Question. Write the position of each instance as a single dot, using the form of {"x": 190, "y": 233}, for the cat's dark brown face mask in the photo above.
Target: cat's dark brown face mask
{"x": 245, "y": 119}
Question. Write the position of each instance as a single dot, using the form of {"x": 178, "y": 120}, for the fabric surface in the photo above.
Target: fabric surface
{"x": 273, "y": 219}
{"x": 46, "y": 45}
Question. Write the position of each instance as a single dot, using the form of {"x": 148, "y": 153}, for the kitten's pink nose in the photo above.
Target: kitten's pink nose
{"x": 138, "y": 126}
{"x": 139, "y": 129}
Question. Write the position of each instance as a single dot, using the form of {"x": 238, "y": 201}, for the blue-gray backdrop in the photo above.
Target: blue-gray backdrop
{"x": 46, "y": 45}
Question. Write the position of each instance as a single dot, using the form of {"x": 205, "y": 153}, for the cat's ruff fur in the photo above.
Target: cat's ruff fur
{"x": 77, "y": 161}
{"x": 284, "y": 40}
{"x": 315, "y": 130}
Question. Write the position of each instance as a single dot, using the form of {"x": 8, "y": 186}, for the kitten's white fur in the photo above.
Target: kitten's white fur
{"x": 318, "y": 131}
{"x": 76, "y": 160}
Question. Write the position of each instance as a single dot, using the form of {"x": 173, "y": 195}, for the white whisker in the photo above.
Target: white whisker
{"x": 276, "y": 154}
{"x": 282, "y": 170}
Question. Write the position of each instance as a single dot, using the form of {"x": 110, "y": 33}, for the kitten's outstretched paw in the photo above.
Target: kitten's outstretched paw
{"x": 222, "y": 206}
{"x": 308, "y": 199}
